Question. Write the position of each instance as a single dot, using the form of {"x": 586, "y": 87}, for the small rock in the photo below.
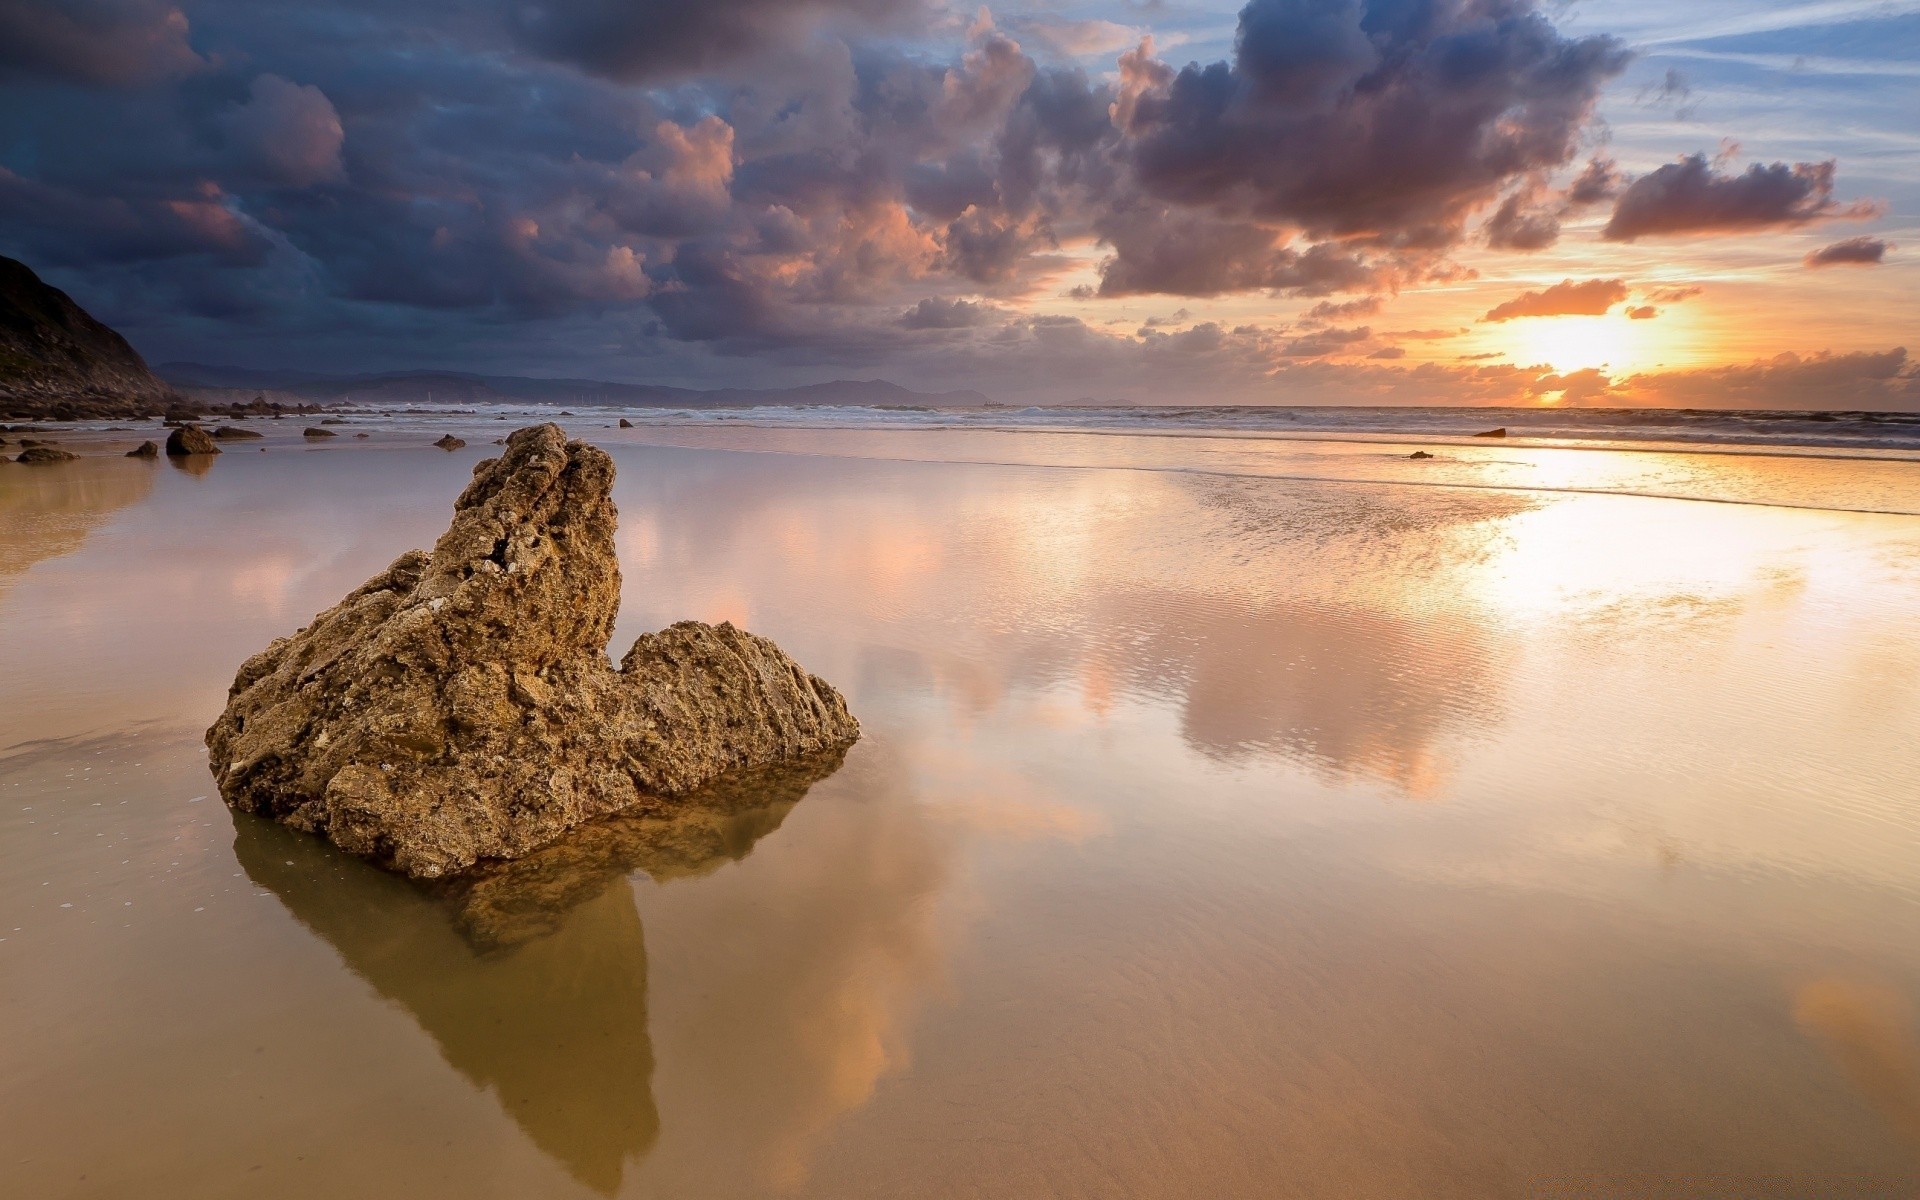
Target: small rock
{"x": 625, "y": 424}
{"x": 450, "y": 442}
{"x": 1500, "y": 432}
{"x": 233, "y": 433}
{"x": 45, "y": 454}
{"x": 1419, "y": 454}
{"x": 360, "y": 435}
{"x": 314, "y": 431}
{"x": 144, "y": 450}
{"x": 188, "y": 440}
{"x": 30, "y": 443}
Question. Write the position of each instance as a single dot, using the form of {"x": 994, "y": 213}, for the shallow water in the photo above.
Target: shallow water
{"x": 1230, "y": 821}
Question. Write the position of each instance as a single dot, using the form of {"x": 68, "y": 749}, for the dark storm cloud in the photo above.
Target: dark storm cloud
{"x": 935, "y": 313}
{"x": 107, "y": 43}
{"x": 1586, "y": 298}
{"x": 1691, "y": 197}
{"x": 1380, "y": 119}
{"x": 1856, "y": 251}
{"x": 654, "y": 39}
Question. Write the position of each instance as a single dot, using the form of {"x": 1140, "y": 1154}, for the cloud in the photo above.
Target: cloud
{"x": 935, "y": 313}
{"x": 104, "y": 43}
{"x": 1326, "y": 342}
{"x": 1371, "y": 119}
{"x": 1642, "y": 312}
{"x": 1691, "y": 197}
{"x": 289, "y": 131}
{"x": 1335, "y": 310}
{"x": 1515, "y": 226}
{"x": 1587, "y": 298}
{"x": 1856, "y": 251}
{"x": 1598, "y": 180}
{"x": 1884, "y": 379}
{"x": 664, "y": 39}
{"x": 1674, "y": 294}
{"x": 1075, "y": 38}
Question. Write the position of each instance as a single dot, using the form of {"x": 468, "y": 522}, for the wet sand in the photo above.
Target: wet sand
{"x": 1232, "y": 819}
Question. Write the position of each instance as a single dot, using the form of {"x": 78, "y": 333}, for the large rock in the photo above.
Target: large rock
{"x": 188, "y": 440}
{"x": 459, "y": 707}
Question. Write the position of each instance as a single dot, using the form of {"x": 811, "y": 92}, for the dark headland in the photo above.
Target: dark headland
{"x": 57, "y": 361}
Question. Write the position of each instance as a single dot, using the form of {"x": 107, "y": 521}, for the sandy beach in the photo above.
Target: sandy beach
{"x": 1232, "y": 817}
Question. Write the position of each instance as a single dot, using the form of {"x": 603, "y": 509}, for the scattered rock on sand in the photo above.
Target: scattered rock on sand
{"x": 45, "y": 454}
{"x": 459, "y": 706}
{"x": 188, "y": 440}
{"x": 314, "y": 431}
{"x": 1419, "y": 454}
{"x": 145, "y": 450}
{"x": 1500, "y": 432}
{"x": 234, "y": 433}
{"x": 625, "y": 424}
{"x": 450, "y": 442}
{"x": 363, "y": 435}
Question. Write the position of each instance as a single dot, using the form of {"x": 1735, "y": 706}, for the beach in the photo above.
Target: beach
{"x": 1238, "y": 812}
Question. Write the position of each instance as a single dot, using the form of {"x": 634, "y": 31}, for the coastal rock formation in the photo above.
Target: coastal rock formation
{"x": 56, "y": 360}
{"x": 459, "y": 706}
{"x": 234, "y": 433}
{"x": 450, "y": 442}
{"x": 314, "y": 431}
{"x": 188, "y": 440}
{"x": 144, "y": 450}
{"x": 1499, "y": 433}
{"x": 42, "y": 453}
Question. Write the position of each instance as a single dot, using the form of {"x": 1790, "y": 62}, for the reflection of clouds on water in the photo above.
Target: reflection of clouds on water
{"x": 1869, "y": 1031}
{"x": 1351, "y": 693}
{"x": 783, "y": 995}
{"x": 1330, "y": 627}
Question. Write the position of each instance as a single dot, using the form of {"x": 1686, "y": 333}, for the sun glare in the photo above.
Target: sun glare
{"x": 1576, "y": 343}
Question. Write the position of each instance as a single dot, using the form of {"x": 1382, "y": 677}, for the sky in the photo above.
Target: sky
{"x": 1608, "y": 202}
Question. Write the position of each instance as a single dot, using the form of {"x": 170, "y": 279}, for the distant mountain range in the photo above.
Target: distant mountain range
{"x": 457, "y": 387}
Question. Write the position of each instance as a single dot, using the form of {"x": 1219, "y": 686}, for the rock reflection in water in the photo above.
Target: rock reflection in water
{"x": 531, "y": 976}
{"x": 49, "y": 511}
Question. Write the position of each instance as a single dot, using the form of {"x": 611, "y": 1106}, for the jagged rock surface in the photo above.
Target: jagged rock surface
{"x": 459, "y": 706}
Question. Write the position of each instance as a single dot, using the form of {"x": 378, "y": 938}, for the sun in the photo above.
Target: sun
{"x": 1576, "y": 343}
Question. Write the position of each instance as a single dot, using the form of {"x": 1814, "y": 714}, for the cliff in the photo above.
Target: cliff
{"x": 57, "y": 361}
